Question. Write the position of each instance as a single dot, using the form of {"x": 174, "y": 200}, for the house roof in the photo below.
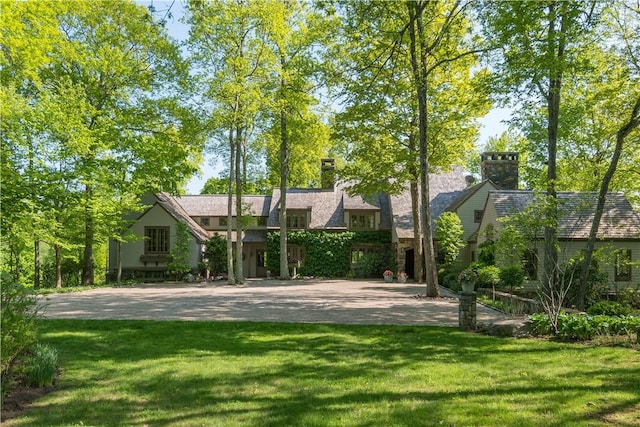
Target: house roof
{"x": 444, "y": 189}
{"x": 328, "y": 207}
{"x": 576, "y": 211}
{"x": 174, "y": 209}
{"x": 468, "y": 193}
{"x": 216, "y": 204}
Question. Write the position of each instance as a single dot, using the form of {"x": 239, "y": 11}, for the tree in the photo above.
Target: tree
{"x": 215, "y": 254}
{"x": 179, "y": 265}
{"x": 227, "y": 43}
{"x": 449, "y": 233}
{"x": 540, "y": 45}
{"x": 104, "y": 103}
{"x": 379, "y": 127}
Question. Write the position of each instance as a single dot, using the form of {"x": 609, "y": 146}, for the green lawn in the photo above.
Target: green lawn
{"x": 136, "y": 373}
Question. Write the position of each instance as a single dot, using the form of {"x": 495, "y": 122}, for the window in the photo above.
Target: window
{"x": 156, "y": 240}
{"x": 222, "y": 221}
{"x": 530, "y": 263}
{"x": 477, "y": 216}
{"x": 261, "y": 221}
{"x": 297, "y": 220}
{"x": 363, "y": 222}
{"x": 622, "y": 265}
{"x": 204, "y": 221}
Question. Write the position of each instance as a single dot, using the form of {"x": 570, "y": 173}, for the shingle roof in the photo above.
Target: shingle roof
{"x": 174, "y": 209}
{"x": 444, "y": 189}
{"x": 216, "y": 204}
{"x": 575, "y": 213}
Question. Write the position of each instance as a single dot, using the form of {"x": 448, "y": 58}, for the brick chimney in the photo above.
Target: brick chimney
{"x": 501, "y": 168}
{"x": 327, "y": 174}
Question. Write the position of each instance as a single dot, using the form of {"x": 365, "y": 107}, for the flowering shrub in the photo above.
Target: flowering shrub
{"x": 387, "y": 272}
{"x": 467, "y": 275}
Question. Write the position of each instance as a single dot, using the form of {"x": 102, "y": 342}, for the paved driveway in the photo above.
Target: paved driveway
{"x": 309, "y": 301}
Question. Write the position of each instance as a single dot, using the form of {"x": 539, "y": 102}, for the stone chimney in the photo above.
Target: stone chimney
{"x": 327, "y": 174}
{"x": 501, "y": 168}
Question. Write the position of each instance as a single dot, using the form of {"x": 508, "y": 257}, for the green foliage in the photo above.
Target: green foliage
{"x": 371, "y": 265}
{"x": 512, "y": 276}
{"x": 597, "y": 280}
{"x": 487, "y": 252}
{"x": 41, "y": 366}
{"x": 630, "y": 297}
{"x": 216, "y": 254}
{"x": 609, "y": 308}
{"x": 449, "y": 233}
{"x": 179, "y": 264}
{"x": 488, "y": 276}
{"x": 327, "y": 254}
{"x": 580, "y": 327}
{"x": 19, "y": 310}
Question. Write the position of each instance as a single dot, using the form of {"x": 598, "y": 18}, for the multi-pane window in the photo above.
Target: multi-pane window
{"x": 261, "y": 221}
{"x": 204, "y": 221}
{"x": 530, "y": 262}
{"x": 156, "y": 240}
{"x": 297, "y": 220}
{"x": 363, "y": 222}
{"x": 477, "y": 216}
{"x": 622, "y": 265}
{"x": 222, "y": 221}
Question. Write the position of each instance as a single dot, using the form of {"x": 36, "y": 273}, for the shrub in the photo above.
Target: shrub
{"x": 609, "y": 308}
{"x": 371, "y": 265}
{"x": 630, "y": 297}
{"x": 540, "y": 324}
{"x": 570, "y": 276}
{"x": 582, "y": 327}
{"x": 42, "y": 366}
{"x": 487, "y": 252}
{"x": 488, "y": 276}
{"x": 512, "y": 276}
{"x": 18, "y": 310}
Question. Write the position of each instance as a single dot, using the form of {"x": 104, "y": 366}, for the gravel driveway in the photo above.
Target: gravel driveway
{"x": 260, "y": 300}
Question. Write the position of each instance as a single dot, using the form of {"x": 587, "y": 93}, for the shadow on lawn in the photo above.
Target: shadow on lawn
{"x": 323, "y": 381}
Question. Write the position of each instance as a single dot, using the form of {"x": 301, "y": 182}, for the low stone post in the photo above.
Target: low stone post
{"x": 467, "y": 311}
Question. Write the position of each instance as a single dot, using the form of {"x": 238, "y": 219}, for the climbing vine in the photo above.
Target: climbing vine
{"x": 327, "y": 254}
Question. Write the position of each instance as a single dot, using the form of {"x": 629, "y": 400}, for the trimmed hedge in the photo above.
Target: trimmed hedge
{"x": 327, "y": 254}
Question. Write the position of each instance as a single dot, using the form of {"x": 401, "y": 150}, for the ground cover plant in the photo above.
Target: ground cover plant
{"x": 169, "y": 373}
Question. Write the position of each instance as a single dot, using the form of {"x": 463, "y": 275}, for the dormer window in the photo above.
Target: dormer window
{"x": 296, "y": 220}
{"x": 362, "y": 221}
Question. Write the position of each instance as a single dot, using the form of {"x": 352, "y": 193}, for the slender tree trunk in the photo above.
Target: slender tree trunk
{"x": 418, "y": 63}
{"x": 119, "y": 255}
{"x": 418, "y": 258}
{"x": 239, "y": 245}
{"x": 230, "y": 273}
{"x": 556, "y": 47}
{"x": 87, "y": 269}
{"x": 36, "y": 264}
{"x": 622, "y": 133}
{"x": 284, "y": 176}
{"x": 58, "y": 266}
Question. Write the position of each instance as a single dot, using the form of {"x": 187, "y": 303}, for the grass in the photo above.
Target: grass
{"x": 136, "y": 373}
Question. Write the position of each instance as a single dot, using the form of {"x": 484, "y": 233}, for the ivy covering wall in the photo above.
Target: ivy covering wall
{"x": 327, "y": 254}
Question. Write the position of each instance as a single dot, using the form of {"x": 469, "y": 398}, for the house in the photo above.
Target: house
{"x": 327, "y": 209}
{"x": 619, "y": 230}
{"x": 331, "y": 209}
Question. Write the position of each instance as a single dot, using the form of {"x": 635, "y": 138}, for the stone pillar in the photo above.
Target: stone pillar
{"x": 467, "y": 311}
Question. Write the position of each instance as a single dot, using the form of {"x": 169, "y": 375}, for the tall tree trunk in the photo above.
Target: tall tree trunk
{"x": 284, "y": 176}
{"x": 119, "y": 256}
{"x": 230, "y": 273}
{"x": 36, "y": 264}
{"x": 239, "y": 243}
{"x": 58, "y": 266}
{"x": 87, "y": 268}
{"x": 418, "y": 258}
{"x": 556, "y": 48}
{"x": 418, "y": 63}
{"x": 622, "y": 133}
